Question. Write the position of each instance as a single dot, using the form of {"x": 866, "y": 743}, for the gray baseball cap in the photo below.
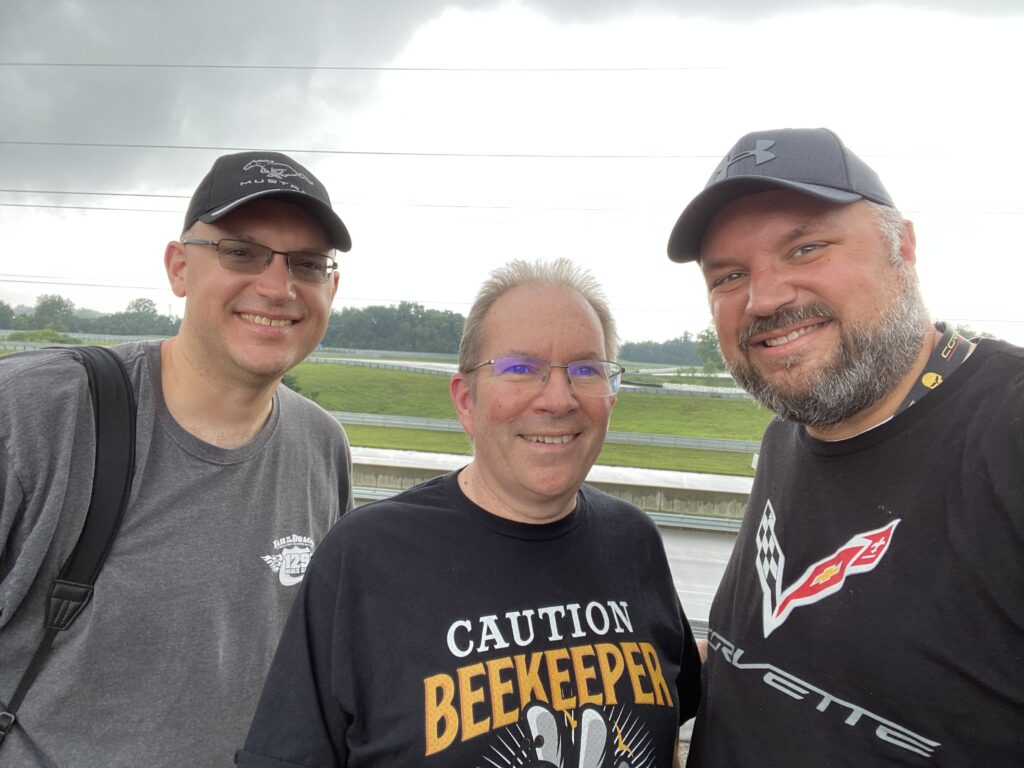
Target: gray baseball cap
{"x": 809, "y": 160}
{"x": 237, "y": 179}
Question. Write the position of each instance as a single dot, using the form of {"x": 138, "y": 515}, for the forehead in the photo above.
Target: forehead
{"x": 542, "y": 320}
{"x": 268, "y": 217}
{"x": 777, "y": 215}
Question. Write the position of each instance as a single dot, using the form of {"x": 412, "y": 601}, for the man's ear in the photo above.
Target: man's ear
{"x": 176, "y": 264}
{"x": 335, "y": 277}
{"x": 908, "y": 243}
{"x": 461, "y": 393}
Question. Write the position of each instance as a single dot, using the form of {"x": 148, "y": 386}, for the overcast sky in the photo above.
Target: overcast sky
{"x": 456, "y": 136}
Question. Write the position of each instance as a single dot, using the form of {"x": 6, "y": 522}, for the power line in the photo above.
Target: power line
{"x": 345, "y": 204}
{"x": 64, "y": 281}
{"x": 98, "y": 194}
{"x": 85, "y": 208}
{"x": 326, "y": 68}
{"x": 366, "y": 152}
{"x": 438, "y": 206}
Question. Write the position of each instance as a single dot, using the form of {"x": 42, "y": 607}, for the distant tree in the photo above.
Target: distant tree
{"x": 408, "y": 327}
{"x": 6, "y": 315}
{"x": 142, "y": 307}
{"x": 21, "y": 322}
{"x": 969, "y": 333}
{"x": 710, "y": 353}
{"x": 54, "y": 311}
{"x": 140, "y": 318}
{"x": 678, "y": 351}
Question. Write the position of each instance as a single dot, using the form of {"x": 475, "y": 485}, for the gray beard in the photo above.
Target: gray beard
{"x": 869, "y": 364}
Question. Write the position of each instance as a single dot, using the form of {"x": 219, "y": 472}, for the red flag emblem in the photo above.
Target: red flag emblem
{"x": 825, "y": 577}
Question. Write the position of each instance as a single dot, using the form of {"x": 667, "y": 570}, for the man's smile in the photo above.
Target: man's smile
{"x": 551, "y": 439}
{"x": 273, "y": 322}
{"x": 778, "y": 341}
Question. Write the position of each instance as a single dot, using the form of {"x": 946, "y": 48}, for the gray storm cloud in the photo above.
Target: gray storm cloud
{"x": 224, "y": 107}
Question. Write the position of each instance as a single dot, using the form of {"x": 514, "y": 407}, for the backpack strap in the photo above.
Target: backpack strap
{"x": 114, "y": 408}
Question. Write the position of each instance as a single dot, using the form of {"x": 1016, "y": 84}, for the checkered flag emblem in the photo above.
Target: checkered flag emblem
{"x": 821, "y": 579}
{"x": 770, "y": 561}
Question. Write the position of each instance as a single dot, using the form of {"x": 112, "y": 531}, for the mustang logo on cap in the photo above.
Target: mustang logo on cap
{"x": 276, "y": 170}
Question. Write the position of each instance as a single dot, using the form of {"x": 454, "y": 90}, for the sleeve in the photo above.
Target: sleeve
{"x": 47, "y": 446}
{"x": 345, "y": 499}
{"x": 298, "y": 721}
{"x": 688, "y": 684}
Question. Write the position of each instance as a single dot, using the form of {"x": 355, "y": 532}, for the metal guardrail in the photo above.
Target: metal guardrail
{"x": 662, "y": 519}
{"x": 383, "y": 364}
{"x": 699, "y": 627}
{"x": 695, "y": 522}
{"x": 688, "y": 390}
{"x": 627, "y": 438}
{"x": 681, "y": 441}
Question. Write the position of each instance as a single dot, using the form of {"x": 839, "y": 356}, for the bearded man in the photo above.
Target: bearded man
{"x": 872, "y": 610}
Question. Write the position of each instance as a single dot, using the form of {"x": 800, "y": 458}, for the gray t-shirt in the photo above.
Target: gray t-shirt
{"x": 165, "y": 665}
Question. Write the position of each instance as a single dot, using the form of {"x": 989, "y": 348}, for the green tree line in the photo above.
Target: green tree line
{"x": 686, "y": 350}
{"x": 57, "y": 313}
{"x": 407, "y": 327}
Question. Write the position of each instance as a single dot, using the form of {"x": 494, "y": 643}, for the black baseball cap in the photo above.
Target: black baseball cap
{"x": 237, "y": 179}
{"x": 809, "y": 160}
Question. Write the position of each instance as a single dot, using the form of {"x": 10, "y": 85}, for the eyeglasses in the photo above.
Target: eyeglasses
{"x": 253, "y": 258}
{"x": 591, "y": 378}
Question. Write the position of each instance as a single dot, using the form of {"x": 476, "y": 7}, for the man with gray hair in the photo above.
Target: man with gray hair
{"x": 504, "y": 614}
{"x": 871, "y": 612}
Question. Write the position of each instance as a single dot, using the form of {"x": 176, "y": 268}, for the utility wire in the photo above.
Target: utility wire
{"x": 342, "y": 204}
{"x": 98, "y": 194}
{"x": 376, "y": 153}
{"x": 322, "y": 68}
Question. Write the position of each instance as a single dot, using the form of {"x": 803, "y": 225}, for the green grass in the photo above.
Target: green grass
{"x": 647, "y": 457}
{"x": 401, "y": 393}
{"x": 408, "y": 439}
{"x": 691, "y": 416}
{"x": 375, "y": 390}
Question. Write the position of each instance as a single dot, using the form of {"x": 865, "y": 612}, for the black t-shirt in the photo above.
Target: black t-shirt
{"x": 431, "y": 632}
{"x": 872, "y": 613}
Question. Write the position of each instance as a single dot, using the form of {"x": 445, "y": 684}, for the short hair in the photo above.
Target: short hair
{"x": 890, "y": 223}
{"x": 560, "y": 273}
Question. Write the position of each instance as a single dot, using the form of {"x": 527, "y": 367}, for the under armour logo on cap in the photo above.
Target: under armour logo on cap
{"x": 760, "y": 154}
{"x": 810, "y": 161}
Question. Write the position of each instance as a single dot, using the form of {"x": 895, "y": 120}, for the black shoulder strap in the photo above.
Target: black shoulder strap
{"x": 114, "y": 407}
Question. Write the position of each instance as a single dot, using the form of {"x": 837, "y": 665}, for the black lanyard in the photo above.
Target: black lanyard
{"x": 947, "y": 356}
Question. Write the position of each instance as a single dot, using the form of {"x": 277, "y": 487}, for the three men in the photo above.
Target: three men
{"x": 505, "y": 614}
{"x": 872, "y": 611}
{"x": 237, "y": 480}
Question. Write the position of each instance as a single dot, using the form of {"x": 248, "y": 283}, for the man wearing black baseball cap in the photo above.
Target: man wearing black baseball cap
{"x": 237, "y": 479}
{"x": 871, "y": 612}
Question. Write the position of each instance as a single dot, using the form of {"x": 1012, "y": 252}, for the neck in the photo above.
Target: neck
{"x": 487, "y": 495}
{"x": 884, "y": 409}
{"x": 227, "y": 414}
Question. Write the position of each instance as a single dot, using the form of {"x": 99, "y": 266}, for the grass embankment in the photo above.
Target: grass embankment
{"x": 401, "y": 393}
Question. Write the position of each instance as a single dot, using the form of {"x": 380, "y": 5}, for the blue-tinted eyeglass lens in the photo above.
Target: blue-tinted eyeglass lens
{"x": 594, "y": 375}
{"x": 519, "y": 366}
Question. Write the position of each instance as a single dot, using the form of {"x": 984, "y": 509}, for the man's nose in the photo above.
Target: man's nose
{"x": 557, "y": 393}
{"x": 768, "y": 290}
{"x": 276, "y": 281}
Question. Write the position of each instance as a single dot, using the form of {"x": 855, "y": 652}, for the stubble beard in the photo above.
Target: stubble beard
{"x": 869, "y": 363}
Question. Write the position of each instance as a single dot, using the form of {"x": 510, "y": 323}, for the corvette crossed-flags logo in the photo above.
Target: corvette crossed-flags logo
{"x": 825, "y": 577}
